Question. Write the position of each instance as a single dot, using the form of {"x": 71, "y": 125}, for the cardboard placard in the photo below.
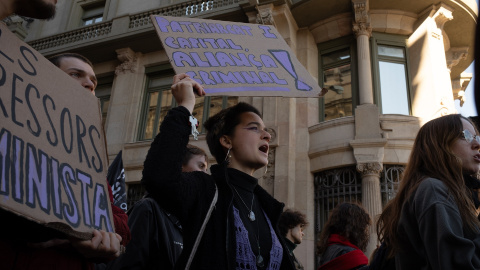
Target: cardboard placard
{"x": 52, "y": 145}
{"x": 234, "y": 59}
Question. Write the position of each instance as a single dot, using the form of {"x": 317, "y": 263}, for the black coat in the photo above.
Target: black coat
{"x": 157, "y": 240}
{"x": 188, "y": 196}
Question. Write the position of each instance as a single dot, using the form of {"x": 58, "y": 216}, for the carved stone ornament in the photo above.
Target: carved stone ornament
{"x": 361, "y": 25}
{"x": 129, "y": 61}
{"x": 441, "y": 16}
{"x": 273, "y": 133}
{"x": 373, "y": 168}
{"x": 269, "y": 175}
{"x": 455, "y": 55}
{"x": 265, "y": 16}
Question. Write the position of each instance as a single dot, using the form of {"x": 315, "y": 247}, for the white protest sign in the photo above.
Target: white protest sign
{"x": 234, "y": 59}
{"x": 52, "y": 145}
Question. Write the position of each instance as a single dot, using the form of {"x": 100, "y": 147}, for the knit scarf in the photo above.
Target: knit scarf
{"x": 347, "y": 261}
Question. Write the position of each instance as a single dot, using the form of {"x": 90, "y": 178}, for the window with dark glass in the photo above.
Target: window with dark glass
{"x": 391, "y": 74}
{"x": 337, "y": 74}
{"x": 103, "y": 92}
{"x": 159, "y": 99}
{"x": 93, "y": 13}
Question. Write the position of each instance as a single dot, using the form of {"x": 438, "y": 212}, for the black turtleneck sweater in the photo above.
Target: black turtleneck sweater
{"x": 244, "y": 184}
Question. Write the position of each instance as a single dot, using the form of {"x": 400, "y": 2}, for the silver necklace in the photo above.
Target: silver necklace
{"x": 251, "y": 215}
{"x": 259, "y": 258}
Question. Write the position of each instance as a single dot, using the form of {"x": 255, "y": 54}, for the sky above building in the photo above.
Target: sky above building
{"x": 468, "y": 108}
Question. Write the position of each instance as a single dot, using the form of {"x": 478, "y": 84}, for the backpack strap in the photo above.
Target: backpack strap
{"x": 202, "y": 229}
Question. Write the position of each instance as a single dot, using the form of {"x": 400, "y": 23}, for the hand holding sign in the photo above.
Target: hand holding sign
{"x": 184, "y": 89}
{"x": 102, "y": 245}
{"x": 52, "y": 146}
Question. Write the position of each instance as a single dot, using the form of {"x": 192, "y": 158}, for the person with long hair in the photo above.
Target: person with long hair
{"x": 344, "y": 238}
{"x": 431, "y": 223}
{"x": 228, "y": 220}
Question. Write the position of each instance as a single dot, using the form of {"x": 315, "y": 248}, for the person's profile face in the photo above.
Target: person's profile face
{"x": 468, "y": 151}
{"x": 249, "y": 143}
{"x": 80, "y": 71}
{"x": 196, "y": 163}
{"x": 297, "y": 234}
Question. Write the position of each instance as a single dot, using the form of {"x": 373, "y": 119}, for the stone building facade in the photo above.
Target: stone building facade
{"x": 397, "y": 63}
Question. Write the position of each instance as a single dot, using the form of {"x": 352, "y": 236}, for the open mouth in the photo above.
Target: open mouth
{"x": 264, "y": 149}
{"x": 477, "y": 157}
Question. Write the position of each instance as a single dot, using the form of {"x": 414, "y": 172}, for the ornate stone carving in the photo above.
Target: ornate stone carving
{"x": 441, "y": 16}
{"x": 18, "y": 25}
{"x": 460, "y": 85}
{"x": 129, "y": 61}
{"x": 273, "y": 133}
{"x": 455, "y": 55}
{"x": 361, "y": 26}
{"x": 265, "y": 15}
{"x": 269, "y": 175}
{"x": 373, "y": 168}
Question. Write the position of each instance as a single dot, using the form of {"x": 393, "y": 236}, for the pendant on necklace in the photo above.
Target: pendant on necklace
{"x": 251, "y": 216}
{"x": 260, "y": 261}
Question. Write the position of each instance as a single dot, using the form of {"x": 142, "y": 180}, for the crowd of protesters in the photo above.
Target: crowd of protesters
{"x": 192, "y": 219}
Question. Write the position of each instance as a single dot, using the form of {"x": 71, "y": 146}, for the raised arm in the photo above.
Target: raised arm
{"x": 184, "y": 89}
{"x": 162, "y": 175}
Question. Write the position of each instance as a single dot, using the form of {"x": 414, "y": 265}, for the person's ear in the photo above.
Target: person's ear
{"x": 226, "y": 142}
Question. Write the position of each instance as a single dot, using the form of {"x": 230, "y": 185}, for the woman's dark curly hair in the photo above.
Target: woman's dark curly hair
{"x": 291, "y": 219}
{"x": 350, "y": 220}
{"x": 224, "y": 123}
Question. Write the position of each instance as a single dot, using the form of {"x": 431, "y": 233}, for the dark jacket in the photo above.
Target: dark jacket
{"x": 335, "y": 251}
{"x": 291, "y": 246}
{"x": 157, "y": 240}
{"x": 433, "y": 235}
{"x": 188, "y": 196}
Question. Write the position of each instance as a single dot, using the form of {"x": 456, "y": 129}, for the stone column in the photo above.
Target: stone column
{"x": 121, "y": 113}
{"x": 429, "y": 64}
{"x": 371, "y": 198}
{"x": 363, "y": 31}
{"x": 369, "y": 150}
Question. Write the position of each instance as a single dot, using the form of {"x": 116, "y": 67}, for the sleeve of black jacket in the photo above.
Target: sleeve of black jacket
{"x": 175, "y": 191}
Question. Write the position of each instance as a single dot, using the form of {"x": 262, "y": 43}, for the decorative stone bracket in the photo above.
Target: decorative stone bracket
{"x": 459, "y": 85}
{"x": 265, "y": 15}
{"x": 455, "y": 55}
{"x": 129, "y": 61}
{"x": 373, "y": 168}
{"x": 441, "y": 15}
{"x": 361, "y": 25}
{"x": 369, "y": 154}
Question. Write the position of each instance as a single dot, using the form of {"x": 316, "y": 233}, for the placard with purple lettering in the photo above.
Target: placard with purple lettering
{"x": 234, "y": 59}
{"x": 52, "y": 145}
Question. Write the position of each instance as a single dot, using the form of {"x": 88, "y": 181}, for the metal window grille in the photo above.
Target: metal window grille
{"x": 333, "y": 187}
{"x": 390, "y": 181}
{"x": 135, "y": 192}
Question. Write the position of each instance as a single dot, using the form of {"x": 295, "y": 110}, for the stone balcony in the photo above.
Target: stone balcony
{"x": 330, "y": 141}
{"x": 136, "y": 31}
